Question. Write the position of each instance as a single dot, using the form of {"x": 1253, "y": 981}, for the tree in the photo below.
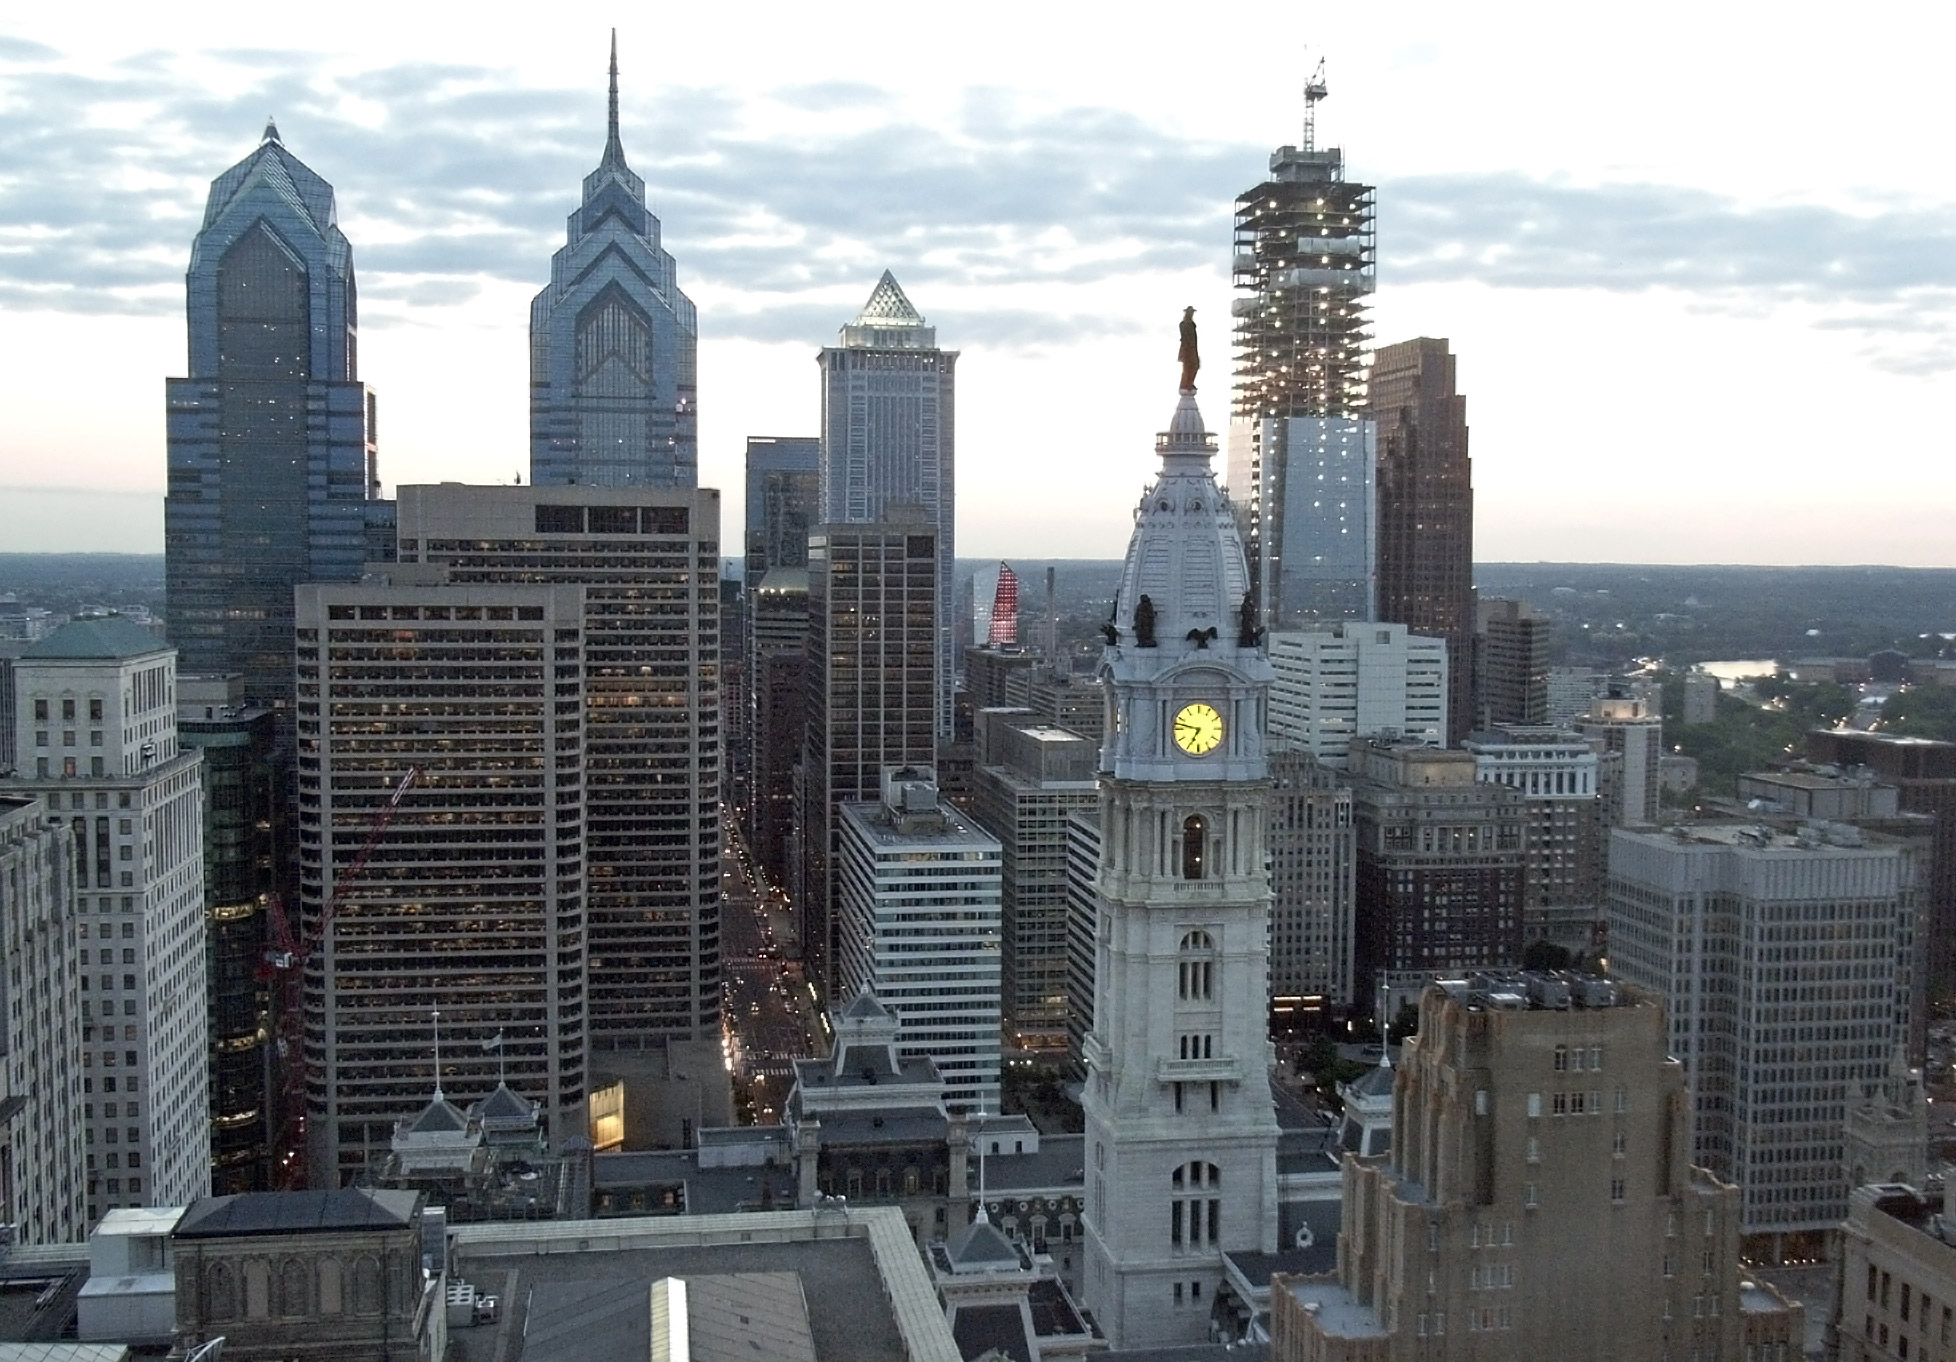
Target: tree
{"x": 1545, "y": 954}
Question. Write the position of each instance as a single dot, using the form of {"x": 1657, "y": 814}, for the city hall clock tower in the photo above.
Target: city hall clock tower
{"x": 1181, "y": 1141}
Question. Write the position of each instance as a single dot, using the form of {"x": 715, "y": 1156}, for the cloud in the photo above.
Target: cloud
{"x": 450, "y": 178}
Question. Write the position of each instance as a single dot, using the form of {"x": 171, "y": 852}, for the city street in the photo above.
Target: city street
{"x": 770, "y": 1010}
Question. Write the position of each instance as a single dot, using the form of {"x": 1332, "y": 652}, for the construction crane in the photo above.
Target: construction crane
{"x": 1314, "y": 90}
{"x": 286, "y": 956}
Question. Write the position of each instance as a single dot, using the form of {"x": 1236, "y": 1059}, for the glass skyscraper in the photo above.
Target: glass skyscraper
{"x": 889, "y": 438}
{"x": 272, "y": 473}
{"x": 612, "y": 344}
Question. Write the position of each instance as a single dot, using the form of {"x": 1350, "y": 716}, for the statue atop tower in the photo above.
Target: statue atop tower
{"x": 1190, "y": 357}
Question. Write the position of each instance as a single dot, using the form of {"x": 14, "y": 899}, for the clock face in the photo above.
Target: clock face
{"x": 1198, "y": 729}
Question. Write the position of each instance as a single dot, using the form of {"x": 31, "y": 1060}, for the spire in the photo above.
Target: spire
{"x": 614, "y": 149}
{"x": 888, "y": 306}
{"x": 438, "y": 1095}
{"x": 271, "y": 132}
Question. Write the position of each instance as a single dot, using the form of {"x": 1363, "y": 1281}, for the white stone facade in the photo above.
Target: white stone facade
{"x": 918, "y": 891}
{"x": 1181, "y": 1132}
{"x": 1357, "y": 680}
{"x": 40, "y": 1073}
{"x": 97, "y": 713}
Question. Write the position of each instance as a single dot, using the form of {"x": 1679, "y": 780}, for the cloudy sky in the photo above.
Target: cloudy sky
{"x": 1698, "y": 261}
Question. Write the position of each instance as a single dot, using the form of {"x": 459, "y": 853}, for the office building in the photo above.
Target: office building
{"x": 1355, "y": 680}
{"x": 1923, "y": 772}
{"x": 248, "y": 847}
{"x": 272, "y": 472}
{"x": 43, "y": 1183}
{"x": 1030, "y": 776}
{"x": 649, "y": 564}
{"x": 1633, "y": 730}
{"x": 1780, "y": 959}
{"x": 1895, "y": 1284}
{"x": 1700, "y": 697}
{"x": 97, "y": 717}
{"x": 918, "y": 898}
{"x": 996, "y": 676}
{"x": 1566, "y": 846}
{"x": 469, "y": 920}
{"x": 1302, "y": 455}
{"x": 1004, "y": 629}
{"x": 871, "y": 697}
{"x": 889, "y": 439}
{"x": 1180, "y": 1125}
{"x": 1440, "y": 865}
{"x": 1313, "y": 886}
{"x": 778, "y": 676}
{"x": 1539, "y": 1199}
{"x": 613, "y": 371}
{"x": 1082, "y": 918}
{"x": 784, "y": 501}
{"x": 1426, "y": 508}
{"x": 1511, "y": 670}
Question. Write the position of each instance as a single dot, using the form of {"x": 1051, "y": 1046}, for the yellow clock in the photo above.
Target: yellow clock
{"x": 1198, "y": 729}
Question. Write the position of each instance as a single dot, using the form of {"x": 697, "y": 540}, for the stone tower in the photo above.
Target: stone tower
{"x": 1181, "y": 1133}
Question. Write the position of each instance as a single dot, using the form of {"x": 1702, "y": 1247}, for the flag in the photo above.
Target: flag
{"x": 494, "y": 1042}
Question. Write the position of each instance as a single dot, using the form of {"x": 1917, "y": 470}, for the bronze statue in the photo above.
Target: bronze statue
{"x": 1249, "y": 633}
{"x": 1191, "y": 359}
{"x": 1144, "y": 623}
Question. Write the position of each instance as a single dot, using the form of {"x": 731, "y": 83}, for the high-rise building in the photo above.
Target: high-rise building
{"x": 42, "y": 1179}
{"x": 1631, "y": 729}
{"x": 1538, "y": 1201}
{"x": 918, "y": 899}
{"x": 613, "y": 373}
{"x": 1004, "y": 631}
{"x": 1511, "y": 653}
{"x": 1181, "y": 1132}
{"x": 1781, "y": 959}
{"x": 1313, "y": 885}
{"x": 1302, "y": 455}
{"x": 1426, "y": 508}
{"x": 1440, "y": 864}
{"x": 469, "y": 921}
{"x": 871, "y": 697}
{"x": 98, "y": 721}
{"x": 1567, "y": 842}
{"x": 248, "y": 811}
{"x": 889, "y": 438}
{"x": 1030, "y": 776}
{"x": 272, "y": 472}
{"x": 649, "y": 563}
{"x": 784, "y": 502}
{"x": 995, "y": 676}
{"x": 778, "y": 676}
{"x": 1357, "y": 681}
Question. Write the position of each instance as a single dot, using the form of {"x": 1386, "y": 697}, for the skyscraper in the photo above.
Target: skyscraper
{"x": 784, "y": 502}
{"x": 872, "y": 641}
{"x": 649, "y": 564}
{"x": 889, "y": 436}
{"x": 1181, "y": 1133}
{"x": 97, "y": 719}
{"x": 613, "y": 377}
{"x": 1302, "y": 457}
{"x": 474, "y": 902}
{"x": 1538, "y": 1200}
{"x": 1356, "y": 680}
{"x": 272, "y": 472}
{"x": 1511, "y": 663}
{"x": 1312, "y": 884}
{"x": 1426, "y": 508}
{"x": 784, "y": 496}
{"x": 777, "y": 612}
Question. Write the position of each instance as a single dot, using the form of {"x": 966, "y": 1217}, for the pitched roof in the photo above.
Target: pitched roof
{"x": 1375, "y": 1082}
{"x": 864, "y": 1007}
{"x": 887, "y": 306}
{"x": 440, "y": 1116}
{"x": 503, "y": 1104}
{"x": 349, "y": 1208}
{"x": 979, "y": 1245}
{"x": 96, "y": 637}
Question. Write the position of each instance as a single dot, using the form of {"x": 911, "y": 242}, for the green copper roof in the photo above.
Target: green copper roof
{"x": 97, "y": 637}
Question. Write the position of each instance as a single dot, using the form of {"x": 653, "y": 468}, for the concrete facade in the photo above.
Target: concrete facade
{"x": 1357, "y": 681}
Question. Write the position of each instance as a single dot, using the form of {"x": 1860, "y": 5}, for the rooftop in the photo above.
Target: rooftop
{"x": 1336, "y": 1311}
{"x": 350, "y": 1208}
{"x": 1537, "y": 990}
{"x": 95, "y": 638}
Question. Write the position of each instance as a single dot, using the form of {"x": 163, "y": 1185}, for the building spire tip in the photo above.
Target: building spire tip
{"x": 271, "y": 132}
{"x": 614, "y": 146}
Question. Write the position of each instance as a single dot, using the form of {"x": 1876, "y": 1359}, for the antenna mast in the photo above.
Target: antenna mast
{"x": 1314, "y": 90}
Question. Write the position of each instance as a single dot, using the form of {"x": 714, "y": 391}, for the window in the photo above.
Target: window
{"x": 41, "y": 710}
{"x": 1195, "y": 1206}
{"x": 1617, "y": 1190}
{"x": 1534, "y": 1104}
{"x": 1195, "y": 845}
{"x": 1561, "y": 1058}
{"x": 1196, "y": 977}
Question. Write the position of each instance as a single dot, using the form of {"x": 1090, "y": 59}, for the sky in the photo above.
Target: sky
{"x": 1698, "y": 262}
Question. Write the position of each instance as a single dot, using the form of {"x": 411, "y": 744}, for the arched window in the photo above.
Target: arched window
{"x": 1197, "y": 969}
{"x": 221, "y": 1292}
{"x": 366, "y": 1286}
{"x": 1195, "y": 845}
{"x": 293, "y": 1297}
{"x": 1195, "y": 1206}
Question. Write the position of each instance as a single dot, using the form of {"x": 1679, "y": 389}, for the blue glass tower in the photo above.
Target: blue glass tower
{"x": 612, "y": 342}
{"x": 272, "y": 473}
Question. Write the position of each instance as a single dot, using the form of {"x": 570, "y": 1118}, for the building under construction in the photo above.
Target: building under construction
{"x": 1301, "y": 456}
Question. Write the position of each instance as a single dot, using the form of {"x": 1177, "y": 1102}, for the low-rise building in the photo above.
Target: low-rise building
{"x": 1896, "y": 1289}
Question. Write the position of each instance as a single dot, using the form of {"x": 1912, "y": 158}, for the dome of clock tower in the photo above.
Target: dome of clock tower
{"x": 1186, "y": 558}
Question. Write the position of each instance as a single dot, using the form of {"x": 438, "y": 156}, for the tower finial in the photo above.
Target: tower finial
{"x": 271, "y": 131}
{"x": 614, "y": 147}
